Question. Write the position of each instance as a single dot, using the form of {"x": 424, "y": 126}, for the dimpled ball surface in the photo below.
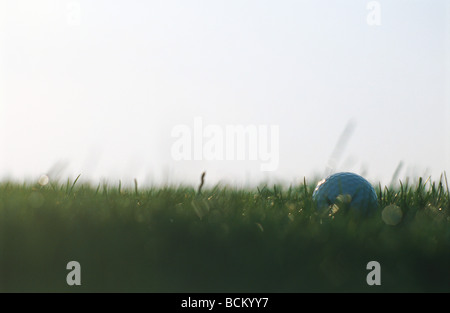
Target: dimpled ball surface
{"x": 363, "y": 196}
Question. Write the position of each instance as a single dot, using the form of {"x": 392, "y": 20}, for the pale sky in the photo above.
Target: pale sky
{"x": 96, "y": 87}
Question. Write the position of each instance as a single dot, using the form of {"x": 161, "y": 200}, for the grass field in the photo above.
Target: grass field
{"x": 175, "y": 239}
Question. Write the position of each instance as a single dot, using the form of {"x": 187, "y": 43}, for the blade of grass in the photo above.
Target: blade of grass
{"x": 73, "y": 185}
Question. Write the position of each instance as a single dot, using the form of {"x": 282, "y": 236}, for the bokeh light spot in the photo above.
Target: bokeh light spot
{"x": 43, "y": 180}
{"x": 392, "y": 215}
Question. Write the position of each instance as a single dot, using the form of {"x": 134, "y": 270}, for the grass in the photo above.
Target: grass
{"x": 221, "y": 239}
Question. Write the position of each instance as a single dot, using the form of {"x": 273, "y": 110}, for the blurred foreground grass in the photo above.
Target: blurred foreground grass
{"x": 172, "y": 239}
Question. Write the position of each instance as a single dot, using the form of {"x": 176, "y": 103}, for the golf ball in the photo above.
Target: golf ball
{"x": 355, "y": 189}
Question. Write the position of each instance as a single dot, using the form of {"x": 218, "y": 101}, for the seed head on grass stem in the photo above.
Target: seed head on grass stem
{"x": 202, "y": 181}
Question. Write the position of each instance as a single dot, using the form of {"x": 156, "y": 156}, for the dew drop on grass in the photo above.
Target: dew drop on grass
{"x": 291, "y": 216}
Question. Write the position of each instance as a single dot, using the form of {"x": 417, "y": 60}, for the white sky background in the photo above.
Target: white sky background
{"x": 101, "y": 98}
